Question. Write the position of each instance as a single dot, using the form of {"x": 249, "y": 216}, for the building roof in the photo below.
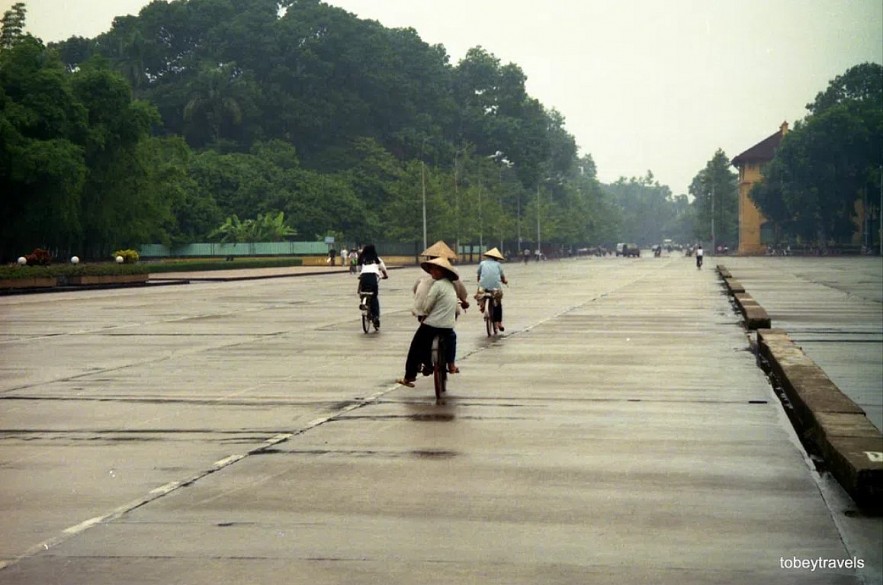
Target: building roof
{"x": 764, "y": 150}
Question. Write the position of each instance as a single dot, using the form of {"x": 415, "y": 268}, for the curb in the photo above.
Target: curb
{"x": 850, "y": 445}
{"x": 824, "y": 416}
{"x": 755, "y": 316}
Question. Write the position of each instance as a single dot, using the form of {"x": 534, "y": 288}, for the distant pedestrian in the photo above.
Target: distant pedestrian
{"x": 526, "y": 255}
{"x": 344, "y": 256}
{"x": 332, "y": 256}
{"x": 354, "y": 261}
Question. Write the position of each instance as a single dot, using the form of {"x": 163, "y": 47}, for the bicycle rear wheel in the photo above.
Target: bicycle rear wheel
{"x": 489, "y": 317}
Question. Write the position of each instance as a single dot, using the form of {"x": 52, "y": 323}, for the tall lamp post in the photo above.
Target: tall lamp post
{"x": 713, "y": 238}
{"x": 423, "y": 183}
{"x": 539, "y": 240}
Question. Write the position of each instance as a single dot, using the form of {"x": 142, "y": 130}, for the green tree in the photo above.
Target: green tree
{"x": 42, "y": 157}
{"x": 118, "y": 204}
{"x": 715, "y": 194}
{"x": 828, "y": 162}
{"x": 13, "y": 25}
{"x": 645, "y": 208}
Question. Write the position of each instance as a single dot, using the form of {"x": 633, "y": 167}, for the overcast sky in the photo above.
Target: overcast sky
{"x": 643, "y": 85}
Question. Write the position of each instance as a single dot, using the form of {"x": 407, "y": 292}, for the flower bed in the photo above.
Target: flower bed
{"x": 15, "y": 277}
{"x": 106, "y": 279}
{"x": 30, "y": 282}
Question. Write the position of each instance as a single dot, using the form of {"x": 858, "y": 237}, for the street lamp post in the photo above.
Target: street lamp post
{"x": 423, "y": 183}
{"x": 480, "y": 221}
{"x": 456, "y": 200}
{"x": 539, "y": 240}
{"x": 713, "y": 238}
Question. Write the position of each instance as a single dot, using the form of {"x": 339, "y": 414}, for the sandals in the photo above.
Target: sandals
{"x": 453, "y": 370}
{"x": 405, "y": 382}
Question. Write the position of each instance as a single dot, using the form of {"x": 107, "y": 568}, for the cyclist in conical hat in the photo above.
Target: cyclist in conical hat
{"x": 439, "y": 249}
{"x": 424, "y": 283}
{"x": 440, "y": 310}
{"x": 492, "y": 277}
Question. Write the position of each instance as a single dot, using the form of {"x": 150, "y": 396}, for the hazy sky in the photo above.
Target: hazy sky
{"x": 643, "y": 85}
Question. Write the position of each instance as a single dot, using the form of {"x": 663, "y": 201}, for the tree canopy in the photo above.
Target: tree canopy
{"x": 828, "y": 162}
{"x": 197, "y": 111}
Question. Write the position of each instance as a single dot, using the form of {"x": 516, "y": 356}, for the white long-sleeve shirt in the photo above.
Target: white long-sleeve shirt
{"x": 440, "y": 305}
{"x": 424, "y": 284}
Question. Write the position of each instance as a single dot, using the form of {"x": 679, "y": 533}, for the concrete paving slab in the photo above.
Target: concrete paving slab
{"x": 833, "y": 309}
{"x": 620, "y": 431}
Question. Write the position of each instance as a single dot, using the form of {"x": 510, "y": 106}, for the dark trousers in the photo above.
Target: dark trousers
{"x": 497, "y": 315}
{"x": 368, "y": 283}
{"x": 498, "y": 312}
{"x": 420, "y": 351}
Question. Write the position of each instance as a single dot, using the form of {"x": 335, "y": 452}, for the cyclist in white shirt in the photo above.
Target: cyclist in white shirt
{"x": 372, "y": 270}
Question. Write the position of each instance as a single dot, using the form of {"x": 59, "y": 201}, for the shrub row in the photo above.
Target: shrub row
{"x": 202, "y": 265}
{"x": 16, "y": 272}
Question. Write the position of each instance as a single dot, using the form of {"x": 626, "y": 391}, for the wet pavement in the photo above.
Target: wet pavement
{"x": 249, "y": 432}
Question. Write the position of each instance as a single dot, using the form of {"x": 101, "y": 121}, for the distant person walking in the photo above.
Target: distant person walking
{"x": 353, "y": 261}
{"x": 699, "y": 256}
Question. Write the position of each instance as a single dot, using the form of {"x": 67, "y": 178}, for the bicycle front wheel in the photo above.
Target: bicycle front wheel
{"x": 365, "y": 321}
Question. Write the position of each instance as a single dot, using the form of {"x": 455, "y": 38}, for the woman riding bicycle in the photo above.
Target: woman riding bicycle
{"x": 492, "y": 278}
{"x": 421, "y": 288}
{"x": 373, "y": 269}
{"x": 440, "y": 308}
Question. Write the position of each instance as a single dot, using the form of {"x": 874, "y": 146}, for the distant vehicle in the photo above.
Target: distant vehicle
{"x": 631, "y": 251}
{"x": 619, "y": 248}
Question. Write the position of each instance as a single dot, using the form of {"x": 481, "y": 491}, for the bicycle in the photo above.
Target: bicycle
{"x": 491, "y": 299}
{"x": 367, "y": 316}
{"x": 699, "y": 262}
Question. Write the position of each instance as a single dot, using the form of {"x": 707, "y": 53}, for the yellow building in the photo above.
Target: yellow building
{"x": 750, "y": 164}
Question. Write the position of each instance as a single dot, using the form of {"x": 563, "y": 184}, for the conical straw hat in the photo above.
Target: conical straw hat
{"x": 440, "y": 250}
{"x": 494, "y": 253}
{"x": 443, "y": 262}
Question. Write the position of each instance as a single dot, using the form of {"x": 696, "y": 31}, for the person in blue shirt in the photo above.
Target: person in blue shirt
{"x": 492, "y": 278}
